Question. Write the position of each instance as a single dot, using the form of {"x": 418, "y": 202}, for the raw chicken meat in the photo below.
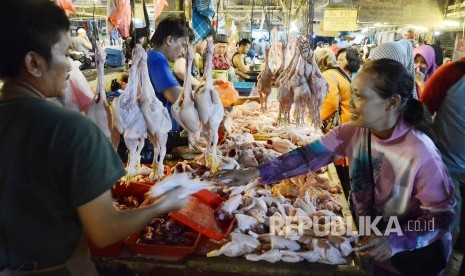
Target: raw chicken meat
{"x": 231, "y": 249}
{"x": 181, "y": 181}
{"x": 245, "y": 239}
{"x": 264, "y": 82}
{"x": 276, "y": 55}
{"x": 129, "y": 119}
{"x": 319, "y": 88}
{"x": 282, "y": 243}
{"x": 156, "y": 117}
{"x": 328, "y": 253}
{"x": 302, "y": 94}
{"x": 285, "y": 91}
{"x": 271, "y": 256}
{"x": 210, "y": 111}
{"x": 183, "y": 110}
{"x": 96, "y": 110}
{"x": 280, "y": 145}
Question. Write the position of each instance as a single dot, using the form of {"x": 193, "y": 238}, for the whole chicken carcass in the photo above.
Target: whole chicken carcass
{"x": 301, "y": 92}
{"x": 210, "y": 110}
{"x": 318, "y": 89}
{"x": 276, "y": 55}
{"x": 183, "y": 110}
{"x": 264, "y": 82}
{"x": 285, "y": 90}
{"x": 156, "y": 117}
{"x": 96, "y": 110}
{"x": 129, "y": 119}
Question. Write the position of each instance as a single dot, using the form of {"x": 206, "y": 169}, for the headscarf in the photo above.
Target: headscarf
{"x": 427, "y": 52}
{"x": 325, "y": 58}
{"x": 401, "y": 51}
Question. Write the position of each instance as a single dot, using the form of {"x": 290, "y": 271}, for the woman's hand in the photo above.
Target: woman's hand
{"x": 375, "y": 247}
{"x": 235, "y": 177}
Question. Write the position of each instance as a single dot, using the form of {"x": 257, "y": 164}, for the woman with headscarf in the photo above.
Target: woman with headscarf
{"x": 401, "y": 51}
{"x": 336, "y": 103}
{"x": 425, "y": 64}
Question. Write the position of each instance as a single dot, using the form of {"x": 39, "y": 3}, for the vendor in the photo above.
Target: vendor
{"x": 81, "y": 42}
{"x": 169, "y": 43}
{"x": 58, "y": 167}
{"x": 238, "y": 59}
{"x": 220, "y": 59}
{"x": 396, "y": 172}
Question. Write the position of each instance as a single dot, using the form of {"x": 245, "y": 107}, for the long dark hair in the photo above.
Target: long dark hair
{"x": 392, "y": 78}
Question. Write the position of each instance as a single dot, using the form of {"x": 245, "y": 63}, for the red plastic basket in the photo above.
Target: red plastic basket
{"x": 135, "y": 189}
{"x": 174, "y": 252}
{"x": 199, "y": 214}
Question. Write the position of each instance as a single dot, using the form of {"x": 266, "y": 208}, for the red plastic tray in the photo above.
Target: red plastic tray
{"x": 161, "y": 250}
{"x": 134, "y": 189}
{"x": 199, "y": 212}
{"x": 174, "y": 251}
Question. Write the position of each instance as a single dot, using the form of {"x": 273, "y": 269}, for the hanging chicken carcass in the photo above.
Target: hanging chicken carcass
{"x": 276, "y": 54}
{"x": 98, "y": 110}
{"x": 129, "y": 119}
{"x": 156, "y": 117}
{"x": 210, "y": 110}
{"x": 285, "y": 91}
{"x": 264, "y": 82}
{"x": 183, "y": 110}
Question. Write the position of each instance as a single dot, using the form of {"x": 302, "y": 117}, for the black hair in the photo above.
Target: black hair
{"x": 353, "y": 59}
{"x": 28, "y": 25}
{"x": 169, "y": 26}
{"x": 244, "y": 41}
{"x": 389, "y": 77}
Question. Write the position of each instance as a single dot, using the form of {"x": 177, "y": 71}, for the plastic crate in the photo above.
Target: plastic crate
{"x": 199, "y": 214}
{"x": 114, "y": 56}
{"x": 134, "y": 189}
{"x": 165, "y": 252}
{"x": 244, "y": 88}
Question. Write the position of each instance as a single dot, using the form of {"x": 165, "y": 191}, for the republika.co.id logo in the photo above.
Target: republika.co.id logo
{"x": 336, "y": 225}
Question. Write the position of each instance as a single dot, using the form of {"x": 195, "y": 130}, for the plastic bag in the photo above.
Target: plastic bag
{"x": 228, "y": 94}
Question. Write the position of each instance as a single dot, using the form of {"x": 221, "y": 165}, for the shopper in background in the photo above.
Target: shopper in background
{"x": 400, "y": 51}
{"x": 425, "y": 65}
{"x": 81, "y": 42}
{"x": 444, "y": 95}
{"x": 349, "y": 60}
{"x": 168, "y": 43}
{"x": 335, "y": 108}
{"x": 57, "y": 166}
{"x": 238, "y": 59}
{"x": 446, "y": 59}
{"x": 395, "y": 169}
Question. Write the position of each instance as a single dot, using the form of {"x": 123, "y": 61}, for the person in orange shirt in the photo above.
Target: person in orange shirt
{"x": 336, "y": 103}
